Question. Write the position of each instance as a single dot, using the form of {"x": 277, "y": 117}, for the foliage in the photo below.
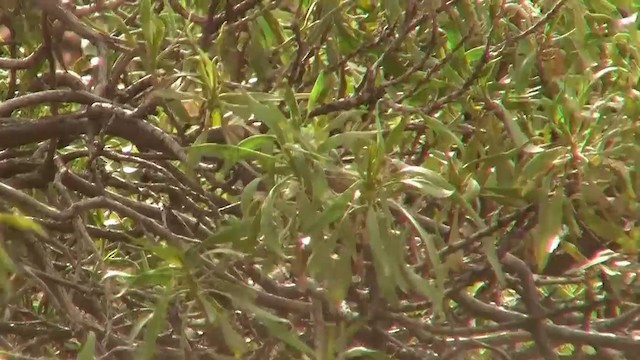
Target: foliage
{"x": 319, "y": 179}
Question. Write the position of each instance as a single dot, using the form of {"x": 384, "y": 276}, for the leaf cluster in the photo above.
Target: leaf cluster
{"x": 411, "y": 179}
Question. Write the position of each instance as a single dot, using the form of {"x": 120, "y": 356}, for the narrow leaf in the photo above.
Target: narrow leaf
{"x": 232, "y": 338}
{"x": 492, "y": 256}
{"x": 319, "y": 89}
{"x": 155, "y": 325}
{"x": 88, "y": 351}
{"x": 287, "y": 336}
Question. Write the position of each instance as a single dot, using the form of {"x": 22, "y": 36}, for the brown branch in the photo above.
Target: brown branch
{"x": 65, "y": 16}
{"x": 30, "y": 61}
{"x": 561, "y": 333}
{"x": 55, "y": 96}
{"x": 532, "y": 303}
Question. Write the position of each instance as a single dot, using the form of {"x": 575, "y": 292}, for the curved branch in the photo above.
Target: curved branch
{"x": 20, "y": 64}
{"x": 565, "y": 334}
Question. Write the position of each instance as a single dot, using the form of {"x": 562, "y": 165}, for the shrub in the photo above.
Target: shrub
{"x": 319, "y": 179}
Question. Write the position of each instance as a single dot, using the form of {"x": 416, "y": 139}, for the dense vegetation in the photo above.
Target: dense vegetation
{"x": 328, "y": 179}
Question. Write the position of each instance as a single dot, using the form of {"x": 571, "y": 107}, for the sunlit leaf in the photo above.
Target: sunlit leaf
{"x": 21, "y": 223}
{"x": 547, "y": 234}
{"x": 360, "y": 352}
{"x": 319, "y": 90}
{"x": 425, "y": 175}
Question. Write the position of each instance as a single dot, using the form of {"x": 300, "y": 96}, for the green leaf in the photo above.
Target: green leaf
{"x": 115, "y": 273}
{"x": 347, "y": 139}
{"x": 452, "y": 76}
{"x": 258, "y": 53}
{"x": 418, "y": 173}
{"x": 319, "y": 90}
{"x": 443, "y": 131}
{"x": 153, "y": 32}
{"x": 268, "y": 219}
{"x": 432, "y": 250}
{"x": 240, "y": 98}
{"x": 287, "y": 336}
{"x": 519, "y": 138}
{"x": 149, "y": 277}
{"x": 248, "y": 195}
{"x": 334, "y": 211}
{"x": 393, "y": 11}
{"x": 340, "y": 274}
{"x": 427, "y": 188}
{"x": 275, "y": 27}
{"x": 510, "y": 196}
{"x": 333, "y": 54}
{"x": 541, "y": 163}
{"x": 7, "y": 268}
{"x": 348, "y": 41}
{"x": 394, "y": 243}
{"x": 395, "y": 137}
{"x": 471, "y": 191}
{"x": 292, "y": 103}
{"x": 20, "y": 222}
{"x": 88, "y": 351}
{"x": 602, "y": 228}
{"x": 338, "y": 123}
{"x": 271, "y": 116}
{"x": 491, "y": 252}
{"x": 180, "y": 112}
{"x": 379, "y": 154}
{"x": 232, "y": 232}
{"x": 376, "y": 243}
{"x": 601, "y": 258}
{"x": 547, "y": 232}
{"x": 428, "y": 290}
{"x": 159, "y": 30}
{"x": 171, "y": 254}
{"x": 256, "y": 142}
{"x": 525, "y": 61}
{"x": 232, "y": 338}
{"x": 145, "y": 13}
{"x": 469, "y": 209}
{"x": 121, "y": 26}
{"x": 384, "y": 263}
{"x": 138, "y": 326}
{"x": 227, "y": 48}
{"x": 260, "y": 314}
{"x": 475, "y": 54}
{"x": 230, "y": 153}
{"x": 155, "y": 325}
{"x": 210, "y": 309}
{"x": 360, "y": 352}
{"x": 173, "y": 94}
